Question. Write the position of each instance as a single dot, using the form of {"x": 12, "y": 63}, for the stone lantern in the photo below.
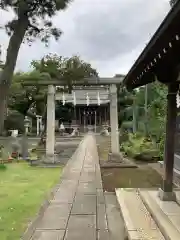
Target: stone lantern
{"x": 24, "y": 144}
{"x": 26, "y": 125}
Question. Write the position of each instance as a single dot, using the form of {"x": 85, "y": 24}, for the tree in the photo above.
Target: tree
{"x": 33, "y": 19}
{"x": 69, "y": 69}
{"x": 151, "y": 145}
{"x": 125, "y": 101}
{"x": 1, "y": 62}
{"x": 156, "y": 108}
{"x": 25, "y": 98}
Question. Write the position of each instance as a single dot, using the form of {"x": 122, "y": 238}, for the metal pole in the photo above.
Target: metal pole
{"x": 146, "y": 110}
{"x": 134, "y": 116}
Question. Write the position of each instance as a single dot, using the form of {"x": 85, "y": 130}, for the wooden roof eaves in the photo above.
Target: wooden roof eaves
{"x": 151, "y": 46}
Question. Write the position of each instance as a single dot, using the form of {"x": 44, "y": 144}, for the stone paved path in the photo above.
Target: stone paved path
{"x": 79, "y": 210}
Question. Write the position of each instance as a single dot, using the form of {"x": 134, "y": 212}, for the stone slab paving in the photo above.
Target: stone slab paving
{"x": 79, "y": 208}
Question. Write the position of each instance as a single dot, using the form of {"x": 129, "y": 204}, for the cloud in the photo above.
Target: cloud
{"x": 110, "y": 34}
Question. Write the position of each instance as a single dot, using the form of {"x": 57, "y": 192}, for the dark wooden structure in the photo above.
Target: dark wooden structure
{"x": 160, "y": 60}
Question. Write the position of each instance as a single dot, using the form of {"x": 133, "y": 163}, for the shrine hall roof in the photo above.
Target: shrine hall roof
{"x": 81, "y": 95}
{"x": 161, "y": 53}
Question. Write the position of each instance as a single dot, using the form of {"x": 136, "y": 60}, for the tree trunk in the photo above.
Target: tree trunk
{"x": 146, "y": 111}
{"x": 2, "y": 110}
{"x": 10, "y": 63}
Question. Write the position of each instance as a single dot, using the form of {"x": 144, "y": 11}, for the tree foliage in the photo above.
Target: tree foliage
{"x": 66, "y": 69}
{"x": 23, "y": 98}
{"x": 32, "y": 20}
{"x": 125, "y": 103}
{"x": 37, "y": 15}
{"x": 156, "y": 108}
{"x": 156, "y": 121}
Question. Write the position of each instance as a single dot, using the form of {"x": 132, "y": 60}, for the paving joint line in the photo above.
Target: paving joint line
{"x": 70, "y": 214}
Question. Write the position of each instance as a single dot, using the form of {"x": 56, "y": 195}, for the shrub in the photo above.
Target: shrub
{"x": 123, "y": 136}
{"x": 127, "y": 126}
{"x": 3, "y": 167}
{"x": 14, "y": 121}
{"x": 140, "y": 148}
{"x": 161, "y": 146}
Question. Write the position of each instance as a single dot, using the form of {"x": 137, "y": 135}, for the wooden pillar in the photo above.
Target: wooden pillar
{"x": 79, "y": 115}
{"x": 75, "y": 115}
{"x": 100, "y": 113}
{"x": 166, "y": 192}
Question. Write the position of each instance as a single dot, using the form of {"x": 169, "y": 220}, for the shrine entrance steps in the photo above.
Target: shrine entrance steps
{"x": 80, "y": 210}
{"x": 147, "y": 217}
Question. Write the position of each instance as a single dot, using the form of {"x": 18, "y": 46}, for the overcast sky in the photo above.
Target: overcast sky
{"x": 110, "y": 34}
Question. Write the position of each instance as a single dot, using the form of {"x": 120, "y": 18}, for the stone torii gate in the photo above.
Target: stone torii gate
{"x": 111, "y": 83}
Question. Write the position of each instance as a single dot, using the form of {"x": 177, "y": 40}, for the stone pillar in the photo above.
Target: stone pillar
{"x": 75, "y": 115}
{"x": 166, "y": 192}
{"x": 84, "y": 116}
{"x": 100, "y": 122}
{"x": 114, "y": 120}
{"x": 50, "y": 134}
{"x": 105, "y": 114}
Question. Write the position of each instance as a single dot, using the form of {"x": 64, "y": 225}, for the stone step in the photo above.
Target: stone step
{"x": 138, "y": 222}
{"x": 165, "y": 214}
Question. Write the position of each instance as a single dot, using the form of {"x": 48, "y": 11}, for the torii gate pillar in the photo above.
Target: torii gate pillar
{"x": 114, "y": 120}
{"x": 50, "y": 134}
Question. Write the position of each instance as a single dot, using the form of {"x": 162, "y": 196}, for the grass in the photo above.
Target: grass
{"x": 22, "y": 190}
{"x": 130, "y": 178}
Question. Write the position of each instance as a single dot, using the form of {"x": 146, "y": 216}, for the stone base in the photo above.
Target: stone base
{"x": 75, "y": 132}
{"x": 115, "y": 157}
{"x": 49, "y": 159}
{"x": 166, "y": 196}
{"x": 104, "y": 133}
{"x": 90, "y": 128}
